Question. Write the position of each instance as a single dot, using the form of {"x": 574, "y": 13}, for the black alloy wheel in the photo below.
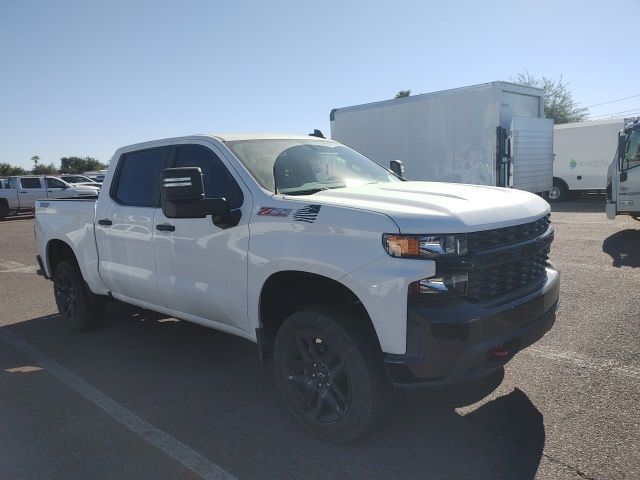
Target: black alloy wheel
{"x": 73, "y": 298}
{"x": 330, "y": 372}
{"x": 66, "y": 297}
{"x": 318, "y": 375}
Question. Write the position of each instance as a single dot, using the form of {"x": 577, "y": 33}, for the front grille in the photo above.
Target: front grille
{"x": 504, "y": 236}
{"x": 501, "y": 278}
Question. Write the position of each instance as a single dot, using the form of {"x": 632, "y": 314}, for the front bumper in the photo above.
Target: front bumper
{"x": 456, "y": 340}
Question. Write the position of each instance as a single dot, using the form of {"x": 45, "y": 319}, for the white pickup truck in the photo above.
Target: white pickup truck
{"x": 355, "y": 281}
{"x": 19, "y": 194}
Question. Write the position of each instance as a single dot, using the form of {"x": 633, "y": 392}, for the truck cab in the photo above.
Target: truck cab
{"x": 623, "y": 177}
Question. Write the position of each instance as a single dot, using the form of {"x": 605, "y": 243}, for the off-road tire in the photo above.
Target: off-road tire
{"x": 73, "y": 298}
{"x": 330, "y": 372}
{"x": 4, "y": 209}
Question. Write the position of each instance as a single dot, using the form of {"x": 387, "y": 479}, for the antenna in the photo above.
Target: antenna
{"x": 317, "y": 133}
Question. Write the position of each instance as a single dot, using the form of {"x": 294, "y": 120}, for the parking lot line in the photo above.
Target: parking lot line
{"x": 177, "y": 450}
{"x": 584, "y": 361}
{"x": 9, "y": 266}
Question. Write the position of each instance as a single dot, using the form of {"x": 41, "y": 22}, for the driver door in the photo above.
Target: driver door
{"x": 202, "y": 262}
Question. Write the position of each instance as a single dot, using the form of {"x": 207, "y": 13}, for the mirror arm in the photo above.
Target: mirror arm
{"x": 275, "y": 179}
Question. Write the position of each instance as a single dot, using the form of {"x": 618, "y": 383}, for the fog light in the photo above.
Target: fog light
{"x": 448, "y": 284}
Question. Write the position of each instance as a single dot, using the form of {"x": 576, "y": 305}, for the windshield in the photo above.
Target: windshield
{"x": 304, "y": 167}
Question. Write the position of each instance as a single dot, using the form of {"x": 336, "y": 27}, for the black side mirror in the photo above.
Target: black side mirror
{"x": 397, "y": 167}
{"x": 182, "y": 195}
{"x": 623, "y": 176}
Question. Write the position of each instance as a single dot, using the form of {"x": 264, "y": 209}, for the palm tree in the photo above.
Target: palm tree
{"x": 403, "y": 93}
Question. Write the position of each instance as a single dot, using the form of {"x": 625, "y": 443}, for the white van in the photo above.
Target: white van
{"x": 583, "y": 151}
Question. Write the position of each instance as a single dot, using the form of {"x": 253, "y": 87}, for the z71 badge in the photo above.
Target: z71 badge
{"x": 274, "y": 212}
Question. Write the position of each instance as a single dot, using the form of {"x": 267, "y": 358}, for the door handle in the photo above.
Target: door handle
{"x": 164, "y": 227}
{"x": 105, "y": 222}
{"x": 23, "y": 191}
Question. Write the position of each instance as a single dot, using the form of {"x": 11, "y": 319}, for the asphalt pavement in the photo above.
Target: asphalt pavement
{"x": 149, "y": 397}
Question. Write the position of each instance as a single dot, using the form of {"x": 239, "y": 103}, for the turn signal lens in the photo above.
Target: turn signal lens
{"x": 424, "y": 246}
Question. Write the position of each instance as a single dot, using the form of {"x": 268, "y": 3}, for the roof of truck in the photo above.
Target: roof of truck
{"x": 234, "y": 137}
{"x": 591, "y": 123}
{"x": 505, "y": 86}
{"x": 222, "y": 137}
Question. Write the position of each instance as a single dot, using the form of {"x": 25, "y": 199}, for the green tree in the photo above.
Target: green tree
{"x": 93, "y": 164}
{"x": 45, "y": 169}
{"x": 80, "y": 164}
{"x": 403, "y": 93}
{"x": 558, "y": 100}
{"x": 7, "y": 170}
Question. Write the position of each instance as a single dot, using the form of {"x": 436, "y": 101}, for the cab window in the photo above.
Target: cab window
{"x": 30, "y": 183}
{"x": 54, "y": 183}
{"x": 137, "y": 179}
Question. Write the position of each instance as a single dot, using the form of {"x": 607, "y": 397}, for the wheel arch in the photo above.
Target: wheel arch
{"x": 58, "y": 251}
{"x": 288, "y": 291}
{"x": 562, "y": 182}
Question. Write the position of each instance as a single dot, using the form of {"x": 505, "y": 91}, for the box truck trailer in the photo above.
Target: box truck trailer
{"x": 489, "y": 134}
{"x": 582, "y": 154}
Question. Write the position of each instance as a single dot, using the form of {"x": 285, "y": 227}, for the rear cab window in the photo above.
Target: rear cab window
{"x": 30, "y": 183}
{"x": 137, "y": 178}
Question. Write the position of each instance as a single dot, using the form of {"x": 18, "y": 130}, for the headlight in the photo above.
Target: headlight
{"x": 424, "y": 246}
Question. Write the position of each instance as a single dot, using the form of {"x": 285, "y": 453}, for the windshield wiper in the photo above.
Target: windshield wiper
{"x": 306, "y": 191}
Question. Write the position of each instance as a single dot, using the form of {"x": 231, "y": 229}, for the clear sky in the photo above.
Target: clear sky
{"x": 86, "y": 77}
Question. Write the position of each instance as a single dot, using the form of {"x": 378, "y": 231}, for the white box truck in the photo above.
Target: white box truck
{"x": 489, "y": 134}
{"x": 583, "y": 151}
{"x": 623, "y": 176}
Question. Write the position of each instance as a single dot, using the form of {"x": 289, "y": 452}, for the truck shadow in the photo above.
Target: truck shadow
{"x": 15, "y": 218}
{"x": 588, "y": 203}
{"x": 624, "y": 248}
{"x": 207, "y": 389}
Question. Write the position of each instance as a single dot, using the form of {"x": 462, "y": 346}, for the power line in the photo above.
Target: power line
{"x": 616, "y": 113}
{"x": 613, "y": 101}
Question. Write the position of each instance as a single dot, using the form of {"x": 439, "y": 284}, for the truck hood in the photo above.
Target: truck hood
{"x": 436, "y": 207}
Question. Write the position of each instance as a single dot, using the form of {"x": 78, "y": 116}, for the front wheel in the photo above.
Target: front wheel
{"x": 72, "y": 298}
{"x": 330, "y": 373}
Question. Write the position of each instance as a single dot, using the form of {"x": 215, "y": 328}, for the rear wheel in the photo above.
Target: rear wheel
{"x": 559, "y": 192}
{"x": 4, "y": 209}
{"x": 330, "y": 373}
{"x": 73, "y": 300}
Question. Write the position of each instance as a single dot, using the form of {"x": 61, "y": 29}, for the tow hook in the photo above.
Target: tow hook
{"x": 499, "y": 352}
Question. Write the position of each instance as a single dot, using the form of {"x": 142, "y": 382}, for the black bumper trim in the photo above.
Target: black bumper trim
{"x": 451, "y": 342}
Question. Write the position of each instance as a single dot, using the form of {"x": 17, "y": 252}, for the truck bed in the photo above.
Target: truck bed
{"x": 71, "y": 221}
